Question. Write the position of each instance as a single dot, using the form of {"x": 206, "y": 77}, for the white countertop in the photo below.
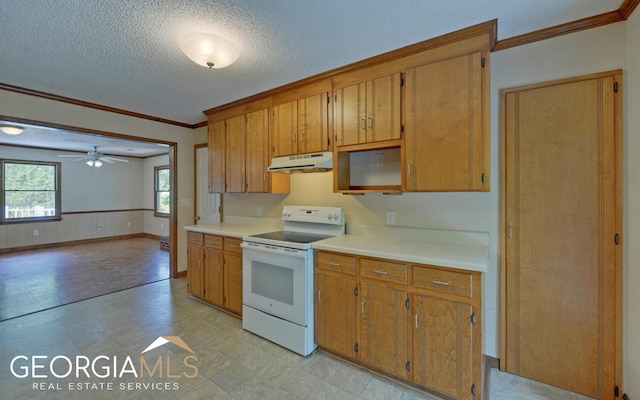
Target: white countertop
{"x": 462, "y": 256}
{"x": 238, "y": 227}
{"x": 453, "y": 249}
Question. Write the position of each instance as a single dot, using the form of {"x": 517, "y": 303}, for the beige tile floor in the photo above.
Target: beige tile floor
{"x": 228, "y": 363}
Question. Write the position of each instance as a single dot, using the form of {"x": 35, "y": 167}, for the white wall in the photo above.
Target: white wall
{"x": 86, "y": 193}
{"x": 631, "y": 229}
{"x": 33, "y": 108}
{"x": 111, "y": 187}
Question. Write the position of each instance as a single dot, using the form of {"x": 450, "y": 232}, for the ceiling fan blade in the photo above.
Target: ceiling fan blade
{"x": 70, "y": 155}
{"x": 105, "y": 159}
{"x": 111, "y": 159}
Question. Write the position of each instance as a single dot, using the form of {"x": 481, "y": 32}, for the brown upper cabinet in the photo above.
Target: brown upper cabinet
{"x": 447, "y": 135}
{"x": 421, "y": 113}
{"x": 301, "y": 121}
{"x": 239, "y": 151}
{"x": 368, "y": 111}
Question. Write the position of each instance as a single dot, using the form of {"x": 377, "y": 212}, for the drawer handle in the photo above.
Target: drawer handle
{"x": 233, "y": 246}
{"x": 417, "y": 324}
{"x": 381, "y": 272}
{"x": 333, "y": 264}
{"x": 362, "y": 306}
{"x": 441, "y": 283}
{"x": 319, "y": 298}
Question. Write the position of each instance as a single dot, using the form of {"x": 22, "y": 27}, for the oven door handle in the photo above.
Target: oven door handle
{"x": 293, "y": 253}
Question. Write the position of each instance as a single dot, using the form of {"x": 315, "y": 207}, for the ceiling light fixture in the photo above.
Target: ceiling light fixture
{"x": 208, "y": 50}
{"x": 96, "y": 163}
{"x": 11, "y": 130}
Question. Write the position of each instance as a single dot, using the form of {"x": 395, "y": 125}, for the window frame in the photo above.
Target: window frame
{"x": 58, "y": 192}
{"x": 156, "y": 170}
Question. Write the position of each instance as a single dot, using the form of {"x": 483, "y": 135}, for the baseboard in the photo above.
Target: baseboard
{"x": 72, "y": 242}
{"x": 489, "y": 363}
{"x": 181, "y": 274}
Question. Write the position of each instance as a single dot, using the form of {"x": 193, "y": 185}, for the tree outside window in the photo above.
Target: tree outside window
{"x": 162, "y": 191}
{"x": 30, "y": 191}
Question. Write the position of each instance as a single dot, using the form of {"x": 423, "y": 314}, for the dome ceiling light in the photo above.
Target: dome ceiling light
{"x": 11, "y": 130}
{"x": 209, "y": 50}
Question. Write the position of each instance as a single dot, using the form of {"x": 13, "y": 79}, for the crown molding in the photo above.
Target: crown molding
{"x": 625, "y": 10}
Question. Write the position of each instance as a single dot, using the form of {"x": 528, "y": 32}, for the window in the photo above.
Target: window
{"x": 162, "y": 191}
{"x": 30, "y": 191}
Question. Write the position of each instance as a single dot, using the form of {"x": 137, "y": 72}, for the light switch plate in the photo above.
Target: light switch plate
{"x": 390, "y": 218}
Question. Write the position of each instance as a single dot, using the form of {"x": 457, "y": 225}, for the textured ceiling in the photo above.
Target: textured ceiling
{"x": 125, "y": 54}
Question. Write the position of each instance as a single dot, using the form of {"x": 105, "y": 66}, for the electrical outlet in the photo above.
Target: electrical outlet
{"x": 161, "y": 225}
{"x": 390, "y": 218}
{"x": 99, "y": 227}
{"x": 129, "y": 224}
{"x": 379, "y": 159}
{"x": 36, "y": 232}
{"x": 259, "y": 211}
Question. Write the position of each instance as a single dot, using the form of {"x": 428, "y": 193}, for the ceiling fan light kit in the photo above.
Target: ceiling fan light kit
{"x": 96, "y": 163}
{"x": 11, "y": 130}
{"x": 209, "y": 50}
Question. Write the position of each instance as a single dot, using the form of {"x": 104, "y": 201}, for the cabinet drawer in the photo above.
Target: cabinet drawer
{"x": 452, "y": 282}
{"x": 195, "y": 238}
{"x": 382, "y": 270}
{"x": 232, "y": 245}
{"x": 336, "y": 262}
{"x": 215, "y": 242}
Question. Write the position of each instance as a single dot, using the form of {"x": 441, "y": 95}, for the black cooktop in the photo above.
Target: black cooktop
{"x": 293, "y": 237}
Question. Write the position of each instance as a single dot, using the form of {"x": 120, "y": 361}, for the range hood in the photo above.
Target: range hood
{"x": 315, "y": 162}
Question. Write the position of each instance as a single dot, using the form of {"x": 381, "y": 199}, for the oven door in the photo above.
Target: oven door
{"x": 275, "y": 281}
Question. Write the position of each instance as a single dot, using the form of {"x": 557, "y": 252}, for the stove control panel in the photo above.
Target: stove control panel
{"x": 318, "y": 215}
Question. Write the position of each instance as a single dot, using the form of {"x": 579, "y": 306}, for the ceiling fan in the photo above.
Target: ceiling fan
{"x": 94, "y": 158}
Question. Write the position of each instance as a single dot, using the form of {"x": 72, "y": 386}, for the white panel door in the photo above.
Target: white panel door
{"x": 208, "y": 211}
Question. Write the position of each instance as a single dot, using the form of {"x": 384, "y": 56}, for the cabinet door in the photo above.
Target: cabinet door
{"x": 216, "y": 156}
{"x": 233, "y": 282}
{"x": 442, "y": 346}
{"x": 335, "y": 317}
{"x": 350, "y": 113}
{"x": 285, "y": 129}
{"x": 313, "y": 133}
{"x": 213, "y": 276}
{"x": 383, "y": 339}
{"x": 445, "y": 144}
{"x": 195, "y": 277}
{"x": 383, "y": 109}
{"x": 257, "y": 151}
{"x": 235, "y": 153}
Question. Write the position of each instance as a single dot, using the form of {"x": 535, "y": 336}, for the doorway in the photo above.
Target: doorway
{"x": 208, "y": 205}
{"x": 74, "y": 135}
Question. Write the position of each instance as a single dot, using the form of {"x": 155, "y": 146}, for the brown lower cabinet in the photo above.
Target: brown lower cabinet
{"x": 417, "y": 323}
{"x": 214, "y": 270}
